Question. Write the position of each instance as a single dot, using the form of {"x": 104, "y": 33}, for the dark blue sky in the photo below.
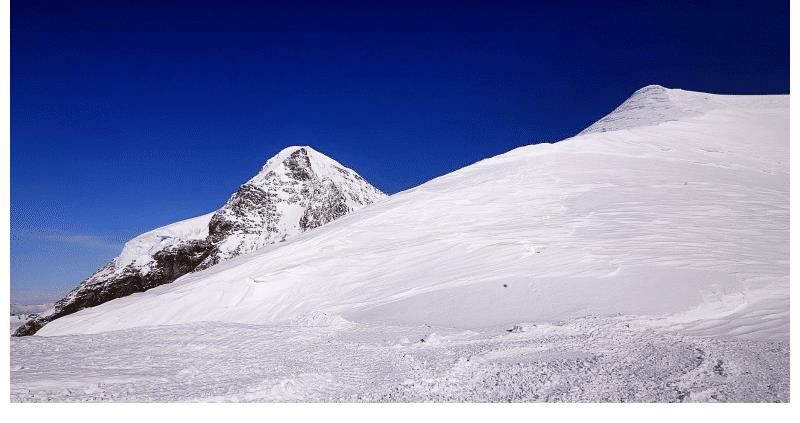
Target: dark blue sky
{"x": 127, "y": 115}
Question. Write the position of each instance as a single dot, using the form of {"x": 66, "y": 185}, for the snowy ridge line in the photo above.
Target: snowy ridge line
{"x": 654, "y": 105}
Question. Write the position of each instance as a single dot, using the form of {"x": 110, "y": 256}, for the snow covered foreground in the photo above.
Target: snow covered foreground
{"x": 671, "y": 213}
{"x": 586, "y": 359}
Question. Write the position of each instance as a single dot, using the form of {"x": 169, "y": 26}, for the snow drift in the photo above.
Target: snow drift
{"x": 674, "y": 207}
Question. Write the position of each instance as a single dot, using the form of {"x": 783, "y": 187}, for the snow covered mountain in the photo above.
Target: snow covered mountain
{"x": 297, "y": 190}
{"x": 674, "y": 207}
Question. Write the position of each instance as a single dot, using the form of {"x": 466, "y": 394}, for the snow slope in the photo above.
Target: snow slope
{"x": 674, "y": 208}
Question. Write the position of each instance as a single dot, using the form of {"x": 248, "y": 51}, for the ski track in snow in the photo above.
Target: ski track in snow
{"x": 587, "y": 359}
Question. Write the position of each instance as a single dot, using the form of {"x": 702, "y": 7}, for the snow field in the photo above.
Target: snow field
{"x": 686, "y": 218}
{"x": 587, "y": 359}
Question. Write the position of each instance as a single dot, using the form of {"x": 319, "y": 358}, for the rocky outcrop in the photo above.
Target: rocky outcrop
{"x": 297, "y": 190}
{"x": 106, "y": 285}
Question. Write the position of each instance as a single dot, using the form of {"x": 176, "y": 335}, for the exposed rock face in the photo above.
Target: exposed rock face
{"x": 297, "y": 190}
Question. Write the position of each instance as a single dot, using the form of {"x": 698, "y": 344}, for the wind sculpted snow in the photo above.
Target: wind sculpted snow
{"x": 683, "y": 220}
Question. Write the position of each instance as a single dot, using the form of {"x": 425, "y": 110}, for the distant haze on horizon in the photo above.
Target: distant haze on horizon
{"x": 129, "y": 116}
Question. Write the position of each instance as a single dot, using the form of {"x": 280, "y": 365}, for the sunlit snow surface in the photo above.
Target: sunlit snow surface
{"x": 584, "y": 359}
{"x": 672, "y": 213}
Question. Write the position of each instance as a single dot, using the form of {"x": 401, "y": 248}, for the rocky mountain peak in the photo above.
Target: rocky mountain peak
{"x": 297, "y": 190}
{"x": 296, "y": 156}
{"x": 298, "y": 165}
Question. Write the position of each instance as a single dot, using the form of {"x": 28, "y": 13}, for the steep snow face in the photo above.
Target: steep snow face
{"x": 297, "y": 190}
{"x": 676, "y": 210}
